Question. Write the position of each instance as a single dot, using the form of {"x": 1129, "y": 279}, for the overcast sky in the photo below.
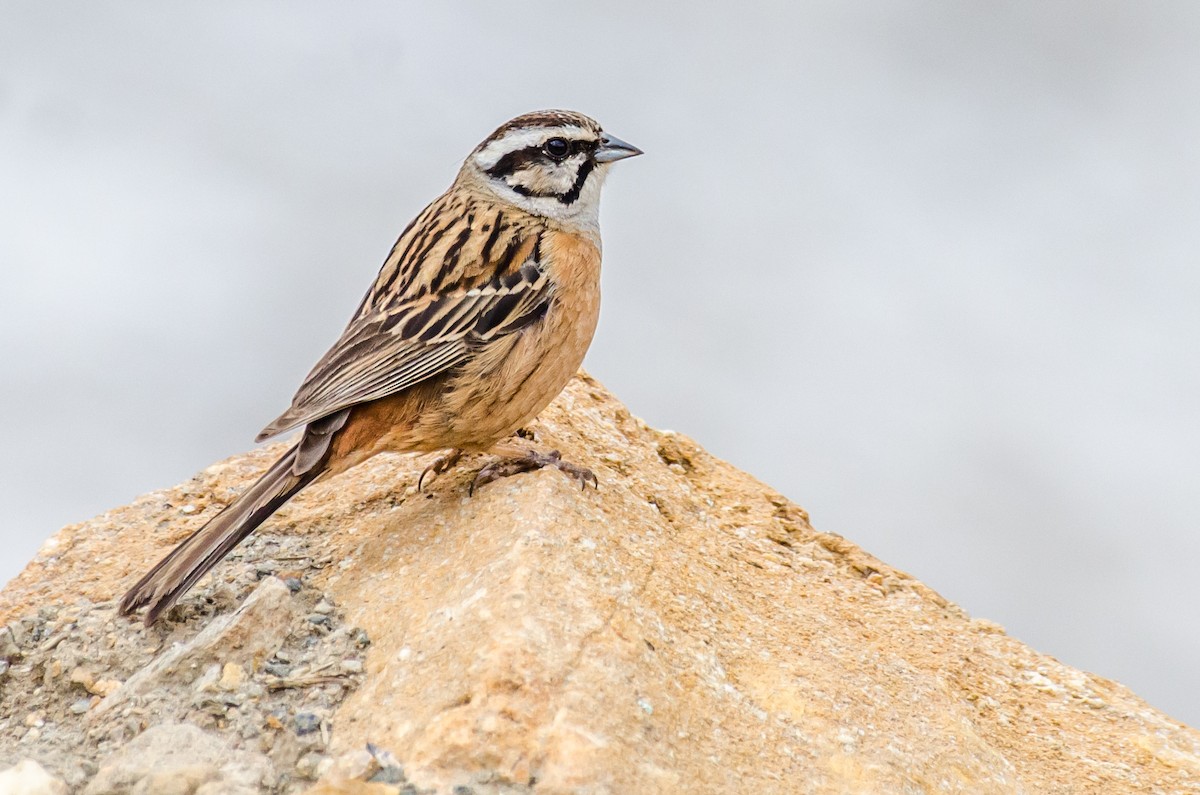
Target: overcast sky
{"x": 930, "y": 269}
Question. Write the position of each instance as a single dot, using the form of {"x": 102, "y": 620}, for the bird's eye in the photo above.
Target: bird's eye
{"x": 557, "y": 148}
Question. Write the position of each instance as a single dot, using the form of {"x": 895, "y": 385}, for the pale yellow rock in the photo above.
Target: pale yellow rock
{"x": 27, "y": 777}
{"x": 232, "y": 676}
{"x": 343, "y": 787}
{"x": 105, "y": 687}
{"x": 83, "y": 676}
{"x": 681, "y": 630}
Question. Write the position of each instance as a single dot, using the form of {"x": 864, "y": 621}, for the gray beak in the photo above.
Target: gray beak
{"x": 612, "y": 149}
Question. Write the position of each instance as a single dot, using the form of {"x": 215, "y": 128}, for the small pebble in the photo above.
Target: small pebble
{"x": 361, "y": 639}
{"x": 317, "y": 618}
{"x": 232, "y": 676}
{"x": 306, "y": 723}
{"x": 105, "y": 687}
{"x": 213, "y": 707}
{"x": 9, "y": 646}
{"x": 323, "y": 607}
{"x": 278, "y": 669}
{"x": 294, "y": 585}
{"x": 81, "y": 706}
{"x": 388, "y": 775}
{"x": 306, "y": 766}
{"x": 233, "y": 699}
{"x": 352, "y": 666}
{"x": 187, "y": 509}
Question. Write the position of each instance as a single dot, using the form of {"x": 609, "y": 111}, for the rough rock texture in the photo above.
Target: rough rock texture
{"x": 682, "y": 629}
{"x": 29, "y": 778}
{"x": 179, "y": 756}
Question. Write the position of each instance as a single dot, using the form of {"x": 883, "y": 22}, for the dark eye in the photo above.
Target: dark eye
{"x": 557, "y": 148}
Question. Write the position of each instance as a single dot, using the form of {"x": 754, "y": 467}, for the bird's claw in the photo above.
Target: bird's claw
{"x": 440, "y": 465}
{"x": 531, "y": 461}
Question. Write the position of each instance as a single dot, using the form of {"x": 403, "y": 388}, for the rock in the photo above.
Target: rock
{"x": 368, "y": 771}
{"x": 83, "y": 677}
{"x": 307, "y": 723}
{"x": 27, "y": 777}
{"x": 105, "y": 687}
{"x": 178, "y": 758}
{"x": 233, "y": 676}
{"x": 345, "y": 787}
{"x": 245, "y": 637}
{"x": 8, "y": 645}
{"x": 681, "y": 629}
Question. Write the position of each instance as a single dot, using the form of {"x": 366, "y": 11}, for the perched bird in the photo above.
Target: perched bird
{"x": 480, "y": 315}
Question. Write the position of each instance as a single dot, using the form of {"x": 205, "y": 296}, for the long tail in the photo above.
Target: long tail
{"x": 177, "y": 572}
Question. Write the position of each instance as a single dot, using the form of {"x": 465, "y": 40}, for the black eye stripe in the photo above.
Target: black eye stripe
{"x": 516, "y": 160}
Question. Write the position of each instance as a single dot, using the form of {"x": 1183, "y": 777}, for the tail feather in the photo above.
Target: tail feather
{"x": 196, "y": 555}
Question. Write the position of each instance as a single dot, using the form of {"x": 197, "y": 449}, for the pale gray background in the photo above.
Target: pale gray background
{"x": 930, "y": 269}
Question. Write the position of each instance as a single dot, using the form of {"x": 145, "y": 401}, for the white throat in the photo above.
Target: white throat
{"x": 583, "y": 214}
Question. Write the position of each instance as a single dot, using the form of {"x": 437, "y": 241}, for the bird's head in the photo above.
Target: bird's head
{"x": 549, "y": 163}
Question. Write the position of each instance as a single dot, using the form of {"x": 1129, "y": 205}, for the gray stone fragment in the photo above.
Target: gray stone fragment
{"x": 8, "y": 644}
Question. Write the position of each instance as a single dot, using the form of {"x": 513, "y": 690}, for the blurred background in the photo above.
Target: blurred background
{"x": 930, "y": 269}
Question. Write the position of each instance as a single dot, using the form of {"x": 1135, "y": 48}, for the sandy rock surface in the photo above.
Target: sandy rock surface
{"x": 683, "y": 629}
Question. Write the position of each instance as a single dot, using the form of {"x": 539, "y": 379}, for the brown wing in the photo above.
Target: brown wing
{"x": 450, "y": 285}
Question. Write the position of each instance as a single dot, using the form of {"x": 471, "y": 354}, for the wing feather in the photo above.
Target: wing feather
{"x": 388, "y": 351}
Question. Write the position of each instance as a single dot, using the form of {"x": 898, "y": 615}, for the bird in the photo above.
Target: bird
{"x": 481, "y": 313}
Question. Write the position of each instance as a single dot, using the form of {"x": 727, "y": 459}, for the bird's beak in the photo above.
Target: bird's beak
{"x": 612, "y": 149}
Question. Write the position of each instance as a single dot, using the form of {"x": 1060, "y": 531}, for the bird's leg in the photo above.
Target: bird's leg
{"x": 519, "y": 457}
{"x": 439, "y": 465}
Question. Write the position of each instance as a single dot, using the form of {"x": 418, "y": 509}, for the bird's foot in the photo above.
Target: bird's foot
{"x": 439, "y": 465}
{"x": 528, "y": 463}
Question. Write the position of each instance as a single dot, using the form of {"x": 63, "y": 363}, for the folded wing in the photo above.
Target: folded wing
{"x": 386, "y": 352}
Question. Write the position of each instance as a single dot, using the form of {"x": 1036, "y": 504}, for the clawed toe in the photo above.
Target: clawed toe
{"x": 503, "y": 468}
{"x": 531, "y": 461}
{"x": 582, "y": 474}
{"x": 440, "y": 465}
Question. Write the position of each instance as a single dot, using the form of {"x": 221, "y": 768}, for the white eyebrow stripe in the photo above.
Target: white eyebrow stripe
{"x": 520, "y": 139}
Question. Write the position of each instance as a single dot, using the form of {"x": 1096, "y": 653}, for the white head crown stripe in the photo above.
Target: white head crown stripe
{"x": 517, "y": 140}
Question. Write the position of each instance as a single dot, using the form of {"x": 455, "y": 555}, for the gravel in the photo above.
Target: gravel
{"x": 63, "y": 667}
